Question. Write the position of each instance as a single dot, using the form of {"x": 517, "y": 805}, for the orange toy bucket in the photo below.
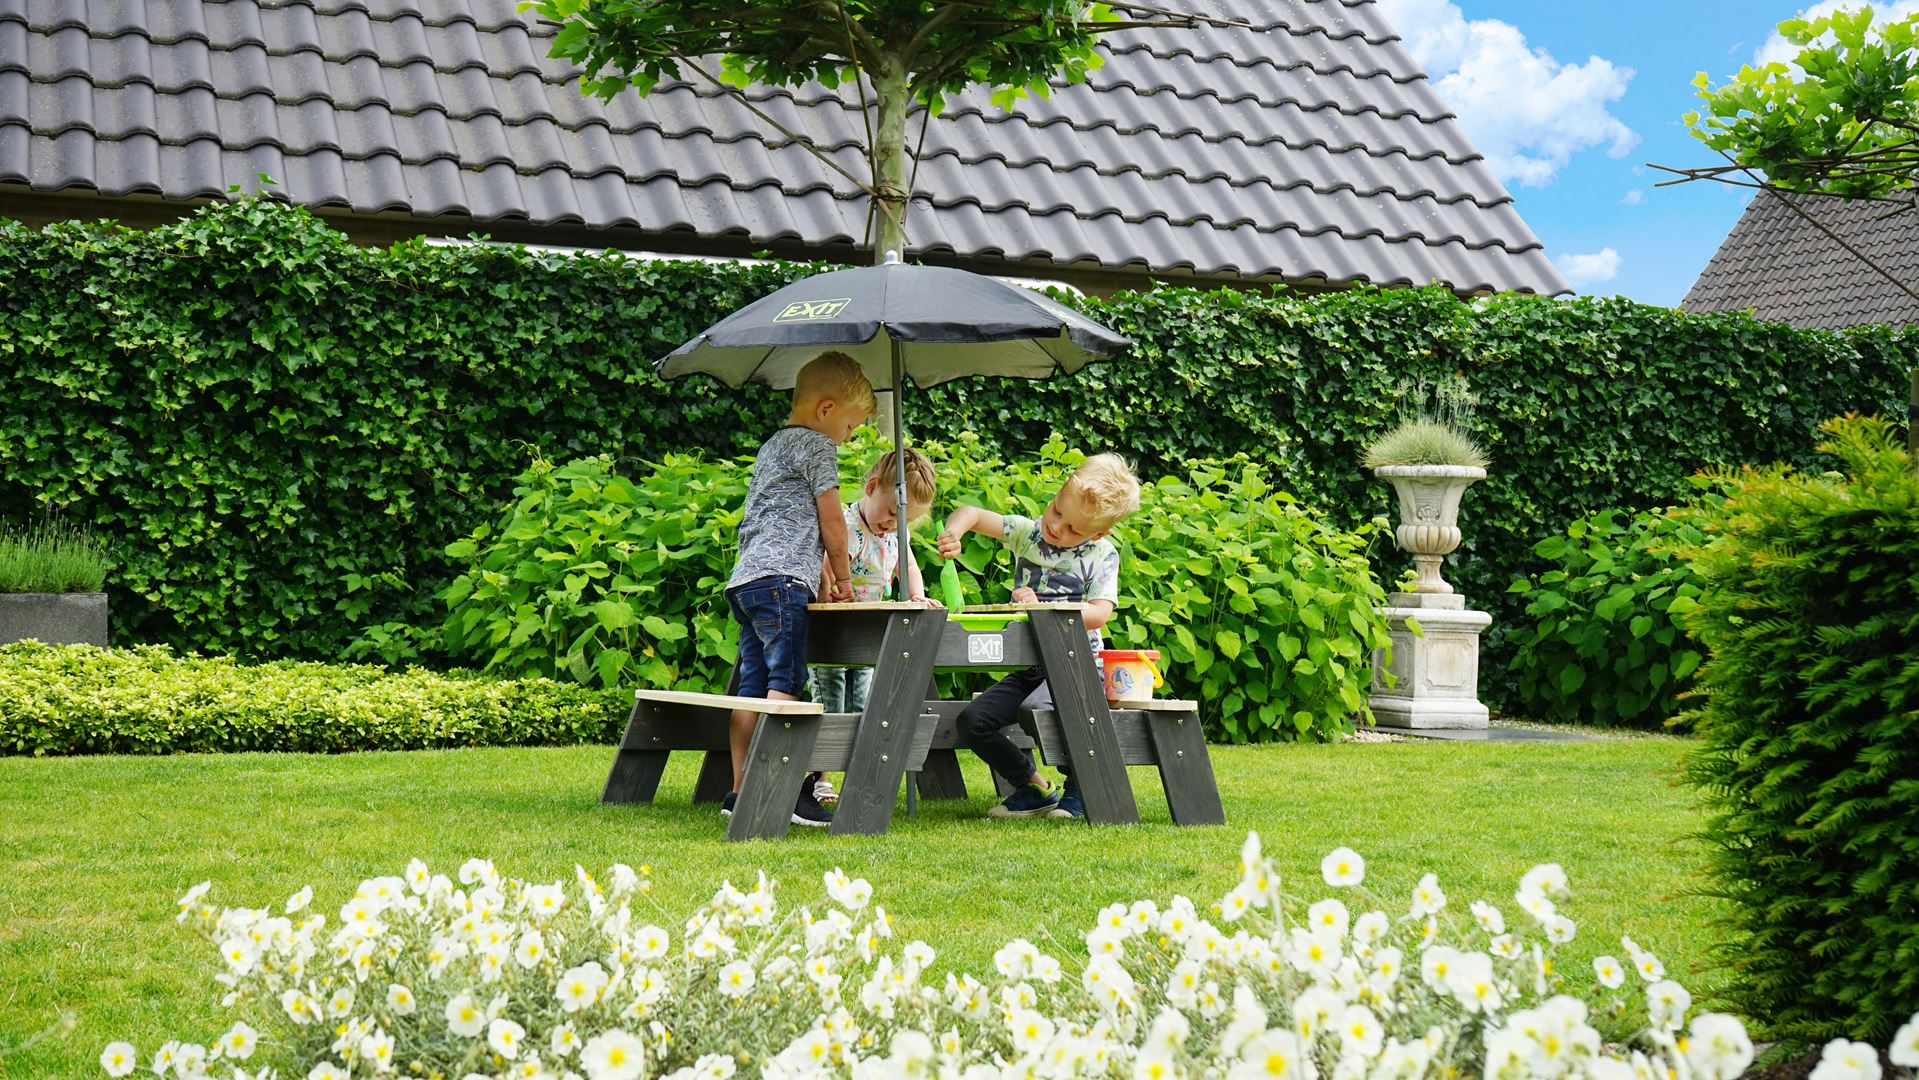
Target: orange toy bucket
{"x": 1131, "y": 674}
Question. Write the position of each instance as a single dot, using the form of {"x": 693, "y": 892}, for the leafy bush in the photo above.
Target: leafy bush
{"x": 77, "y": 699}
{"x": 1603, "y": 642}
{"x": 1265, "y": 612}
{"x": 51, "y": 558}
{"x": 592, "y": 577}
{"x": 281, "y": 429}
{"x": 1809, "y": 751}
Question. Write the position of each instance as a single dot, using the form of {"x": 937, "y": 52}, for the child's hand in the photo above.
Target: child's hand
{"x": 920, "y": 598}
{"x": 1024, "y": 595}
{"x": 949, "y": 544}
{"x": 842, "y": 592}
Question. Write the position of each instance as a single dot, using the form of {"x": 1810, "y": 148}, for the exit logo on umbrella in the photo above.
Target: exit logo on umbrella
{"x": 813, "y": 309}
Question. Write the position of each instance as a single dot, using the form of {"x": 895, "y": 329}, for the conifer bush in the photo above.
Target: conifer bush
{"x": 1809, "y": 754}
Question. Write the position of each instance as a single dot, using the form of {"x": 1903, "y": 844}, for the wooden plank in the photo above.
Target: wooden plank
{"x": 940, "y": 776}
{"x": 1015, "y": 648}
{"x": 985, "y": 608}
{"x": 638, "y": 763}
{"x": 1135, "y": 743}
{"x": 1079, "y": 697}
{"x": 868, "y": 605}
{"x": 775, "y": 762}
{"x": 1175, "y": 705}
{"x": 1186, "y": 769}
{"x": 716, "y": 776}
{"x": 881, "y": 747}
{"x": 728, "y": 702}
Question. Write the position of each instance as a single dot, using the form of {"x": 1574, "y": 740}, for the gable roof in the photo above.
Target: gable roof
{"x": 1310, "y": 149}
{"x": 1784, "y": 269}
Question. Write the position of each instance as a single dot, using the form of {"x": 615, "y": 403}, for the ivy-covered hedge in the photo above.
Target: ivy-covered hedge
{"x": 281, "y": 431}
{"x": 1809, "y": 737}
{"x": 78, "y": 699}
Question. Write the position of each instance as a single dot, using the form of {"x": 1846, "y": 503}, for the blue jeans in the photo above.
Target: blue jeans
{"x": 841, "y": 689}
{"x": 772, "y": 615}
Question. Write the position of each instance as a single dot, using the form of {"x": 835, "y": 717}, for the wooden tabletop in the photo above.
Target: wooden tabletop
{"x": 896, "y": 605}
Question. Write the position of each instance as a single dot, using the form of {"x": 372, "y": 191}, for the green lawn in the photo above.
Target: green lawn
{"x": 95, "y": 850}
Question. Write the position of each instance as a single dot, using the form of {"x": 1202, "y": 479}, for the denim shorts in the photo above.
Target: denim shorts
{"x": 772, "y": 615}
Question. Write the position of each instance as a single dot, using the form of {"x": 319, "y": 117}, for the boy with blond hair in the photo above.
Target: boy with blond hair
{"x": 792, "y": 525}
{"x": 1064, "y": 557}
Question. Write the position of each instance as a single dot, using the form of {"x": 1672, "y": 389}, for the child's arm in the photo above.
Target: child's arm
{"x": 916, "y": 585}
{"x": 833, "y": 539}
{"x": 969, "y": 519}
{"x": 1096, "y": 614}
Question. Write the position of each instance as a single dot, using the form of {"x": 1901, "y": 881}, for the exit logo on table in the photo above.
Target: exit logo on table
{"x": 985, "y": 648}
{"x": 809, "y": 310}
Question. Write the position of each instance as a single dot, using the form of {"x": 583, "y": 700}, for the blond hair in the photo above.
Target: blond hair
{"x": 835, "y": 376}
{"x": 920, "y": 487}
{"x": 1106, "y": 486}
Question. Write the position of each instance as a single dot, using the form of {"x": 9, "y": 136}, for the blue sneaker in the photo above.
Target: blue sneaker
{"x": 1028, "y": 801}
{"x": 1070, "y": 805}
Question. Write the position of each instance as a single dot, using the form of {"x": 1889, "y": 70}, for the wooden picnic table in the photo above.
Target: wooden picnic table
{"x": 905, "y": 644}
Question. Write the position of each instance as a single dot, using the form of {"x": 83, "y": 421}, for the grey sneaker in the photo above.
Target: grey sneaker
{"x": 1028, "y": 801}
{"x": 1070, "y": 805}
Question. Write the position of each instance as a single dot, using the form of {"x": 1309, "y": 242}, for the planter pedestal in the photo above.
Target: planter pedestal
{"x": 54, "y": 618}
{"x": 1436, "y": 677}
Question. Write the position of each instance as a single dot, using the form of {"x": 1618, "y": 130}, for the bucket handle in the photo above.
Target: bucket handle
{"x": 1158, "y": 679}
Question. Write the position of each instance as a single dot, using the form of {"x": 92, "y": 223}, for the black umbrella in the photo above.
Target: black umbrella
{"x": 930, "y": 324}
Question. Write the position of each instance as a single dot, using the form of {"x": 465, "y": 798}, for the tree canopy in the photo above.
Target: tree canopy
{"x": 1842, "y": 119}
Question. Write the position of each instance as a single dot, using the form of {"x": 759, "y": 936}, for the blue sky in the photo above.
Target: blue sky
{"x": 1569, "y": 100}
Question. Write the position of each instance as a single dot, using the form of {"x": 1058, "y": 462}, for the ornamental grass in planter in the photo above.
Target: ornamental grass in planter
{"x": 50, "y": 585}
{"x": 1430, "y": 460}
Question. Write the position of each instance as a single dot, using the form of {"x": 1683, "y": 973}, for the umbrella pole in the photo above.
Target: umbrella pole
{"x": 899, "y": 475}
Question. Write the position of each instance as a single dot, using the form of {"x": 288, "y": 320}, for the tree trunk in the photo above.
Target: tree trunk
{"x": 892, "y": 92}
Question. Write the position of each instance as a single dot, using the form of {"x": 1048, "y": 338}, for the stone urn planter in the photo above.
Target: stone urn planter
{"x": 1429, "y": 515}
{"x": 78, "y": 618}
{"x": 1435, "y": 670}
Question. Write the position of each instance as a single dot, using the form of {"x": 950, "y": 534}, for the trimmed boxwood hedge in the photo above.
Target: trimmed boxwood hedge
{"x": 281, "y": 431}
{"x": 78, "y": 699}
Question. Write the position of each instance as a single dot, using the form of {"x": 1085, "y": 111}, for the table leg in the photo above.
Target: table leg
{"x": 1185, "y": 769}
{"x": 1085, "y": 723}
{"x": 637, "y": 767}
{"x": 885, "y": 735}
{"x": 775, "y": 763}
{"x": 716, "y": 777}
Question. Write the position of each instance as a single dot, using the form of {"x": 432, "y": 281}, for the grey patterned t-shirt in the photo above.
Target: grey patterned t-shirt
{"x": 780, "y": 530}
{"x": 1062, "y": 575}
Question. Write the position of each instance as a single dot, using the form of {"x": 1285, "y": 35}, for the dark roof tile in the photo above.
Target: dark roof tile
{"x": 1310, "y": 149}
{"x": 1783, "y": 268}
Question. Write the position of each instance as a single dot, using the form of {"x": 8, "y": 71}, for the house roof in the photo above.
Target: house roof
{"x": 1309, "y": 149}
{"x": 1786, "y": 270}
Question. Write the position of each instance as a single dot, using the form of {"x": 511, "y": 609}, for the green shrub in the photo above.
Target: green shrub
{"x": 1603, "y": 643}
{"x": 592, "y": 577}
{"x": 78, "y": 699}
{"x": 51, "y": 558}
{"x": 1809, "y": 736}
{"x": 1263, "y": 611}
{"x": 281, "y": 429}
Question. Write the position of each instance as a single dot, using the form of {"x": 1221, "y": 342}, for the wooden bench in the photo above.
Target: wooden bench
{"x": 1164, "y": 733}
{"x": 792, "y": 739}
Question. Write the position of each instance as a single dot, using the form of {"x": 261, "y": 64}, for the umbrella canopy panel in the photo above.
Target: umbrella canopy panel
{"x": 948, "y": 324}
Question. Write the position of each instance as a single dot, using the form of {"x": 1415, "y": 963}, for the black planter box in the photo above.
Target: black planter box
{"x": 54, "y": 618}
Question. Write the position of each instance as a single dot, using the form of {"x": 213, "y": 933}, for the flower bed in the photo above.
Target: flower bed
{"x": 480, "y": 975}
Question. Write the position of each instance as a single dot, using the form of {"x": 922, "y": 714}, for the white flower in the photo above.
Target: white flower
{"x": 1607, "y": 970}
{"x": 464, "y": 1017}
{"x": 1536, "y": 905}
{"x": 119, "y": 1058}
{"x": 1343, "y": 867}
{"x": 163, "y": 1057}
{"x": 1666, "y": 1004}
{"x": 1560, "y": 929}
{"x": 613, "y": 1055}
{"x": 326, "y": 1070}
{"x": 1328, "y": 917}
{"x": 1313, "y": 1010}
{"x": 1546, "y": 879}
{"x": 505, "y": 1037}
{"x": 240, "y": 954}
{"x": 531, "y": 950}
{"x": 544, "y": 901}
{"x": 650, "y": 942}
{"x": 1489, "y": 917}
{"x": 1650, "y": 969}
{"x": 1154, "y": 1064}
{"x": 298, "y": 901}
{"x": 1427, "y": 896}
{"x": 400, "y": 1000}
{"x": 340, "y": 1003}
{"x": 1845, "y": 1060}
{"x": 186, "y": 903}
{"x": 1905, "y": 1045}
{"x": 580, "y": 986}
{"x": 1030, "y": 1030}
{"x": 478, "y": 870}
{"x": 736, "y": 979}
{"x": 1719, "y": 1048}
{"x": 1436, "y": 963}
{"x": 1370, "y": 927}
{"x": 1470, "y": 978}
{"x": 378, "y": 1048}
{"x": 239, "y": 1041}
{"x": 1359, "y": 1031}
{"x": 1505, "y": 946}
{"x": 1276, "y": 1054}
{"x": 566, "y": 1040}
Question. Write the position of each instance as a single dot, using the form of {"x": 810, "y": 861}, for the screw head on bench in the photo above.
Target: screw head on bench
{"x": 785, "y": 760}
{"x": 1179, "y": 753}
{"x": 906, "y": 656}
{"x": 886, "y": 724}
{"x": 788, "y": 724}
{"x": 1089, "y": 753}
{"x": 884, "y": 758}
{"x": 1092, "y": 721}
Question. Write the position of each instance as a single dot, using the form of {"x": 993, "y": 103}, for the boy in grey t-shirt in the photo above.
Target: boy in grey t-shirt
{"x": 791, "y": 522}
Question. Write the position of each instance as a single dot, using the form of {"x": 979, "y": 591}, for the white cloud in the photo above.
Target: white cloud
{"x": 1634, "y": 197}
{"x": 1590, "y": 269}
{"x": 1527, "y": 112}
{"x": 1779, "y": 49}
